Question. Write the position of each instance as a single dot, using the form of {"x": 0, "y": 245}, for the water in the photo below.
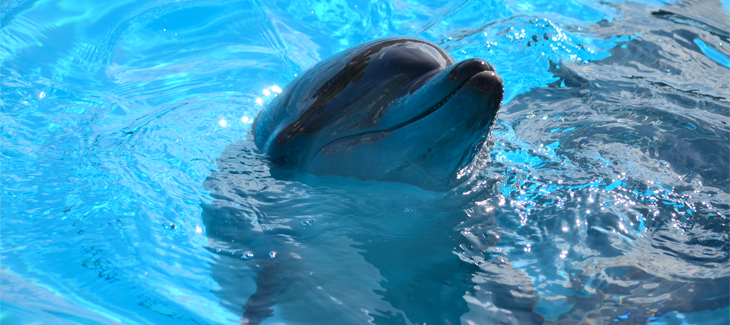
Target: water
{"x": 131, "y": 192}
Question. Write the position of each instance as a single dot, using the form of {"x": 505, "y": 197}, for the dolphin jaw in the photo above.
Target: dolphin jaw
{"x": 454, "y": 136}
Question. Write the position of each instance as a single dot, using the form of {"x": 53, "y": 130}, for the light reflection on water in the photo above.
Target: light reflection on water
{"x": 602, "y": 194}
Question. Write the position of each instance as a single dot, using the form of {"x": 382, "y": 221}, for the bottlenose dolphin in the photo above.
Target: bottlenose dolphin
{"x": 395, "y": 109}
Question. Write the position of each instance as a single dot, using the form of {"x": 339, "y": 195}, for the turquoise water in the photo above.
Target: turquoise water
{"x": 132, "y": 194}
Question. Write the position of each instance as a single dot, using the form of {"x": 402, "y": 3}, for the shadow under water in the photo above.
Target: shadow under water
{"x": 343, "y": 250}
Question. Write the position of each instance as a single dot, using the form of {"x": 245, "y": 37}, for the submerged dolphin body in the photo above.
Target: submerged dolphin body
{"x": 395, "y": 109}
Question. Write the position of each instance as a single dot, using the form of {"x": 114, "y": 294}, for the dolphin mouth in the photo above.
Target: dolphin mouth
{"x": 486, "y": 81}
{"x": 425, "y": 113}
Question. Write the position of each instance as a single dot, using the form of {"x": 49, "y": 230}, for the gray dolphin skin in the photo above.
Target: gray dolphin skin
{"x": 395, "y": 109}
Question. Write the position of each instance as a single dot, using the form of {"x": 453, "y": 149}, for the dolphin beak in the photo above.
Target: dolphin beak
{"x": 487, "y": 82}
{"x": 480, "y": 75}
{"x": 467, "y": 68}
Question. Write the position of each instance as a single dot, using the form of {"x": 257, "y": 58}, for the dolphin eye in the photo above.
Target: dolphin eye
{"x": 281, "y": 161}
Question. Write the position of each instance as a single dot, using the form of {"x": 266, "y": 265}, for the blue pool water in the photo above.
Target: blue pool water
{"x": 132, "y": 194}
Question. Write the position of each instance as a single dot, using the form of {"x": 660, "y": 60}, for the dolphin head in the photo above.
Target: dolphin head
{"x": 396, "y": 109}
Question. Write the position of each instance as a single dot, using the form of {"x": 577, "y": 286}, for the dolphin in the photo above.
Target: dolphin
{"x": 396, "y": 109}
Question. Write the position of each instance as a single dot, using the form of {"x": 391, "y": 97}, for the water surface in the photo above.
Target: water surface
{"x": 132, "y": 194}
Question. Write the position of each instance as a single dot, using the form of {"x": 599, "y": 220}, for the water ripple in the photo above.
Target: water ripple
{"x": 133, "y": 194}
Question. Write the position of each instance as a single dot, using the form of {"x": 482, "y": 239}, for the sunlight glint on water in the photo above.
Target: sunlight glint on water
{"x": 601, "y": 195}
